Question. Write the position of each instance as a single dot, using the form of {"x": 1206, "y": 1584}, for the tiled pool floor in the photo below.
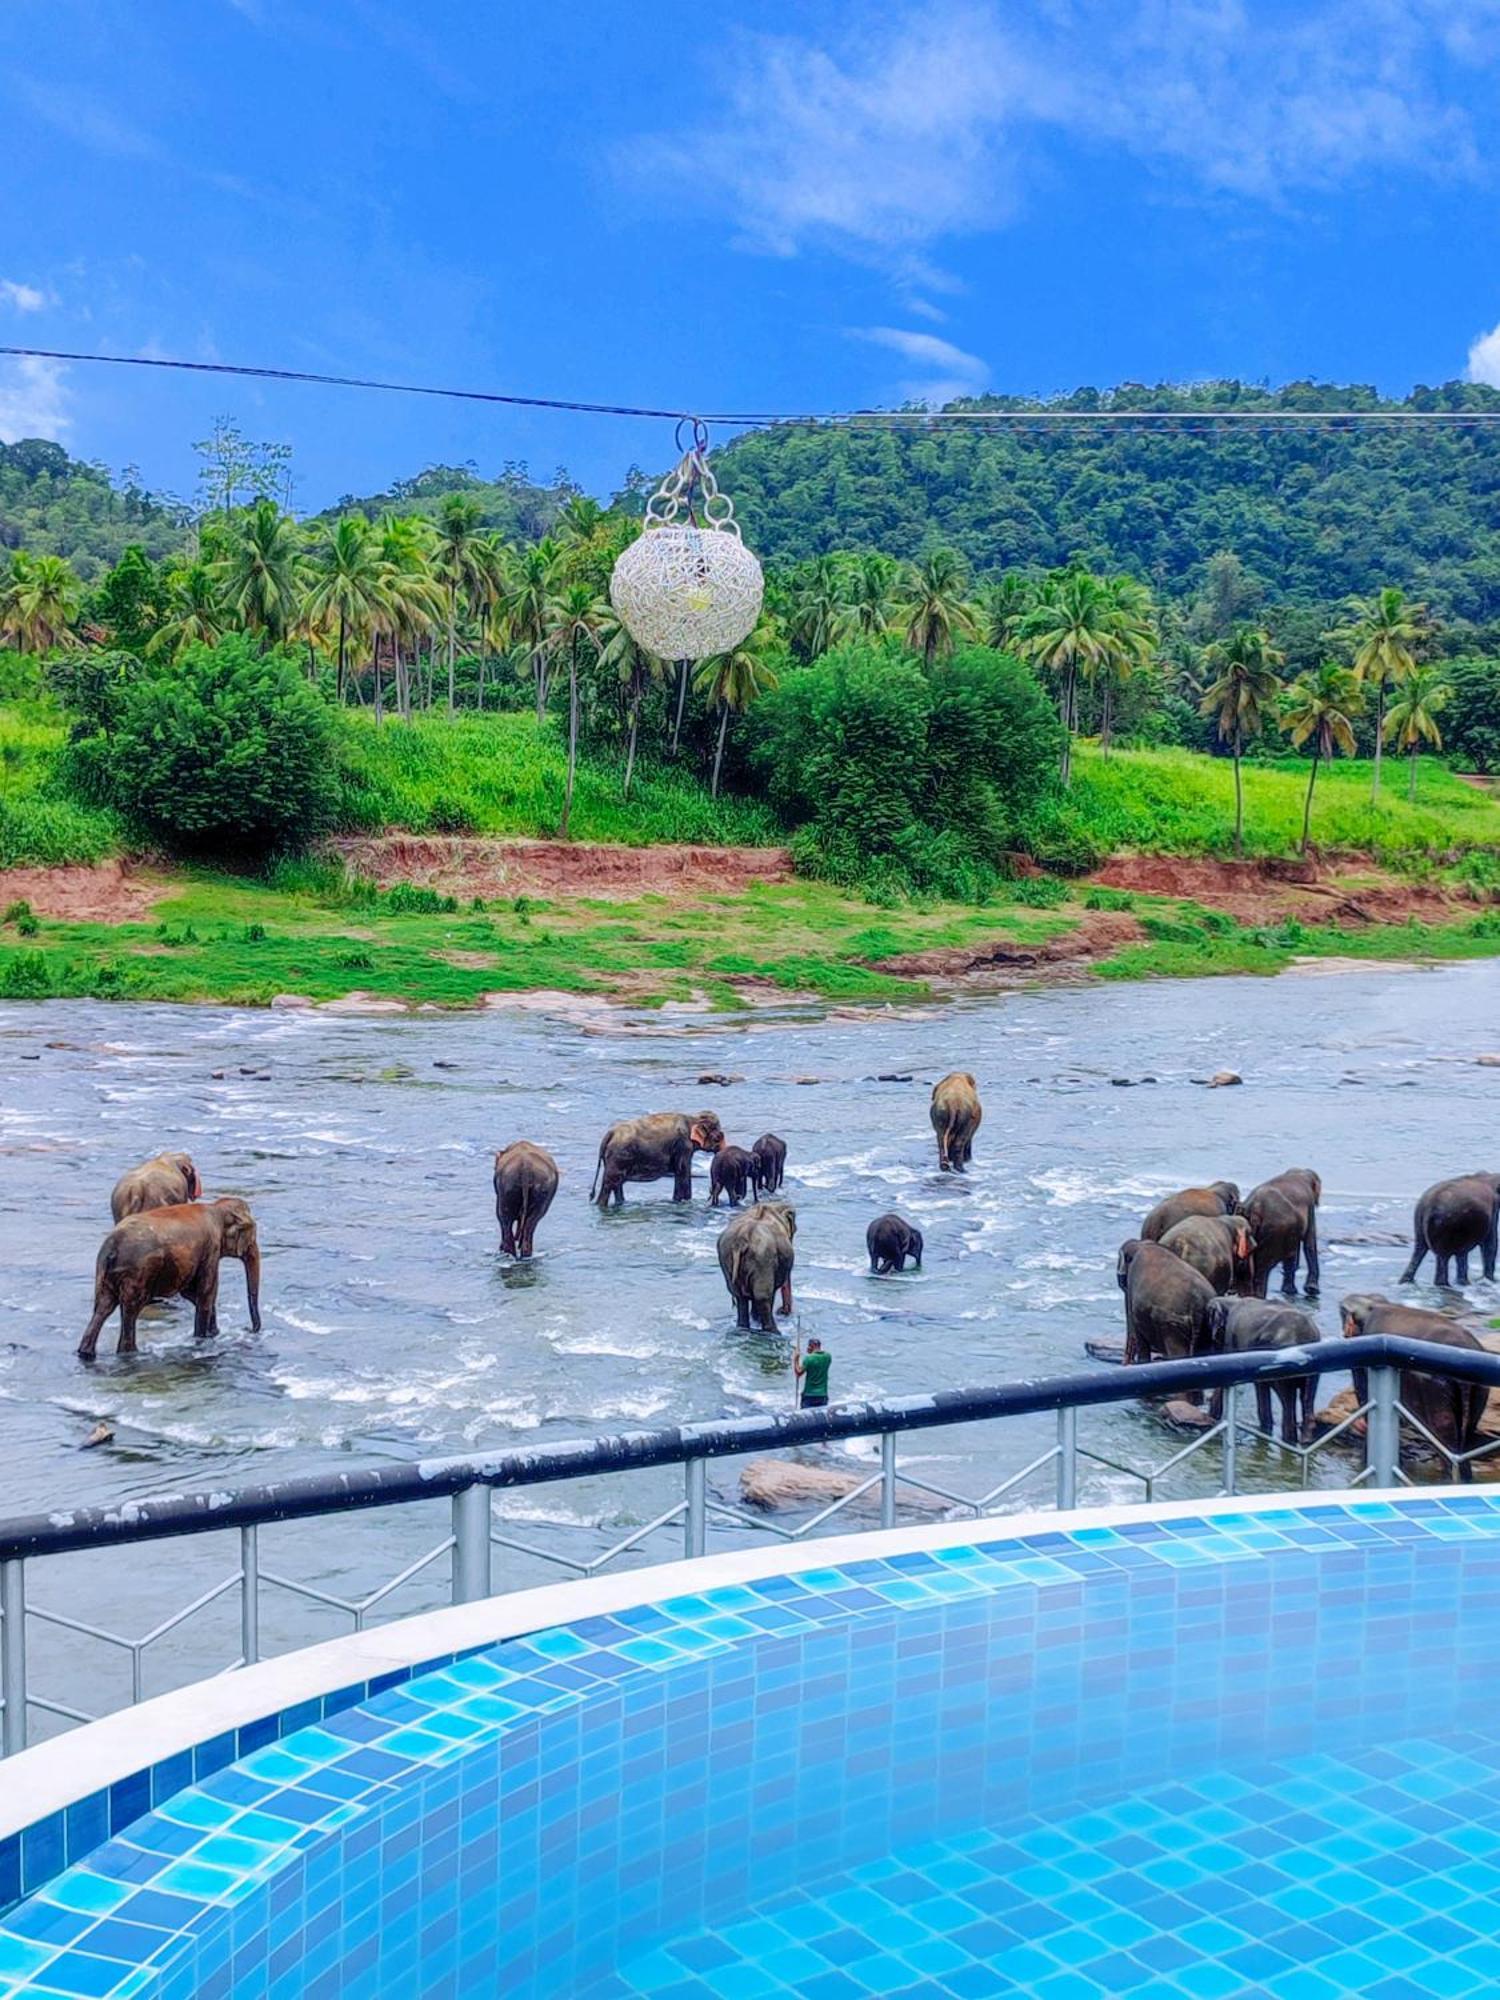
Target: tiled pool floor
{"x": 1376, "y": 1874}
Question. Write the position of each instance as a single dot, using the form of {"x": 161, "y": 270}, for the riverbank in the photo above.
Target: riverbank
{"x": 722, "y": 930}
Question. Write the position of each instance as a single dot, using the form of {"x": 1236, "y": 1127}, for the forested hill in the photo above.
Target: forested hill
{"x": 512, "y": 503}
{"x": 56, "y": 505}
{"x": 1315, "y": 514}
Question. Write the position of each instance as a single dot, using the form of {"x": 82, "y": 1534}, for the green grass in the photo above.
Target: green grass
{"x": 1177, "y": 802}
{"x": 1192, "y": 943}
{"x": 37, "y": 824}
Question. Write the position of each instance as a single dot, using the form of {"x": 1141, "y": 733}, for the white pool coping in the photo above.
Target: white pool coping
{"x": 53, "y": 1775}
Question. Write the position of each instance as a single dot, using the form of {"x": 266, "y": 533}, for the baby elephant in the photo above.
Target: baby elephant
{"x": 769, "y": 1154}
{"x": 1253, "y": 1326}
{"x": 1453, "y": 1218}
{"x": 525, "y": 1182}
{"x": 167, "y": 1251}
{"x": 160, "y": 1183}
{"x": 730, "y": 1172}
{"x": 890, "y": 1240}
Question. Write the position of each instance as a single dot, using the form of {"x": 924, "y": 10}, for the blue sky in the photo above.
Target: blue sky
{"x": 788, "y": 205}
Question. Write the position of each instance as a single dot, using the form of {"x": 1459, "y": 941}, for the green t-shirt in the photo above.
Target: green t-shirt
{"x": 815, "y": 1367}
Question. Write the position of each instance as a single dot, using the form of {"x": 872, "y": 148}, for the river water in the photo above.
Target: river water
{"x": 394, "y": 1329}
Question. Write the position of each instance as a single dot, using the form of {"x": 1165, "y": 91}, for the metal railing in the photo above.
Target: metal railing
{"x": 470, "y": 1484}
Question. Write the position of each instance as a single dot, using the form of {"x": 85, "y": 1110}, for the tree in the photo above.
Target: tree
{"x": 635, "y": 668}
{"x": 734, "y": 680}
{"x": 531, "y": 610}
{"x": 460, "y": 564}
{"x": 934, "y": 604}
{"x": 193, "y": 616}
{"x": 1129, "y": 640}
{"x": 1002, "y": 606}
{"x": 1411, "y": 719}
{"x": 1244, "y": 687}
{"x": 816, "y": 606}
{"x": 40, "y": 603}
{"x": 1319, "y": 707}
{"x": 410, "y": 597}
{"x": 1384, "y": 631}
{"x": 347, "y": 582}
{"x": 1067, "y": 632}
{"x": 1473, "y": 725}
{"x": 129, "y": 600}
{"x": 575, "y": 623}
{"x": 867, "y": 607}
{"x": 258, "y": 574}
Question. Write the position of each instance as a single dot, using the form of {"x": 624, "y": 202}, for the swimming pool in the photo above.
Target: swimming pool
{"x": 1233, "y": 1750}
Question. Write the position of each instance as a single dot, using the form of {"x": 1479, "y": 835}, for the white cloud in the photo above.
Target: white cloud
{"x": 1484, "y": 358}
{"x": 33, "y": 399}
{"x": 947, "y": 371}
{"x": 22, "y": 298}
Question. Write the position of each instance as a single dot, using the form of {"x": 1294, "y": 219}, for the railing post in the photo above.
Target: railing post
{"x": 249, "y": 1596}
{"x": 13, "y": 1656}
{"x": 1231, "y": 1437}
{"x": 887, "y": 1479}
{"x": 471, "y": 1544}
{"x": 1067, "y": 1459}
{"x": 695, "y": 1516}
{"x": 1383, "y": 1428}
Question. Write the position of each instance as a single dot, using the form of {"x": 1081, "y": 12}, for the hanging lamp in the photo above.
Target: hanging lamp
{"x": 687, "y": 588}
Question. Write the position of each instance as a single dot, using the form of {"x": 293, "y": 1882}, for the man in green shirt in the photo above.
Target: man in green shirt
{"x": 812, "y": 1372}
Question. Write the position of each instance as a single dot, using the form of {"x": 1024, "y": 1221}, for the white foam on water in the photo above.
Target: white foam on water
{"x": 302, "y": 1322}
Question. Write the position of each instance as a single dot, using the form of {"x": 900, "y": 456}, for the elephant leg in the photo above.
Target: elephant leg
{"x": 1286, "y": 1393}
{"x": 1216, "y": 1407}
{"x": 1308, "y": 1396}
{"x": 1289, "y": 1276}
{"x": 874, "y": 1267}
{"x": 130, "y": 1312}
{"x": 765, "y": 1313}
{"x": 1310, "y": 1252}
{"x": 508, "y": 1238}
{"x": 1418, "y": 1253}
{"x": 1462, "y": 1260}
{"x": 1263, "y": 1408}
{"x": 1461, "y": 1433}
{"x": 206, "y": 1301}
{"x": 786, "y": 1298}
{"x": 104, "y": 1304}
{"x": 682, "y": 1182}
{"x": 742, "y": 1312}
{"x": 1440, "y": 1274}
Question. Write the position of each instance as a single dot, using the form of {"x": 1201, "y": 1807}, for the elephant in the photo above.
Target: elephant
{"x": 956, "y": 1113}
{"x": 1453, "y": 1218}
{"x": 1283, "y": 1218}
{"x": 525, "y": 1182}
{"x": 1166, "y": 1303}
{"x": 1254, "y": 1326}
{"x": 166, "y": 1181}
{"x": 173, "y": 1250}
{"x": 769, "y": 1154}
{"x": 890, "y": 1240}
{"x": 1450, "y": 1411}
{"x": 1218, "y": 1198}
{"x": 730, "y": 1172}
{"x": 650, "y": 1148}
{"x": 1220, "y": 1246}
{"x": 756, "y": 1257}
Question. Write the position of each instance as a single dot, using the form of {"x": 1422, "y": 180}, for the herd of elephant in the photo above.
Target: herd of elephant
{"x": 168, "y": 1242}
{"x": 1196, "y": 1277}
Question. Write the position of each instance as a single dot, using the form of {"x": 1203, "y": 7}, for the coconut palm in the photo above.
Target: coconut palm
{"x": 1069, "y": 631}
{"x": 580, "y": 520}
{"x": 935, "y": 604}
{"x": 1385, "y": 632}
{"x": 258, "y": 573}
{"x": 531, "y": 610}
{"x": 734, "y": 680}
{"x": 347, "y": 579}
{"x": 1319, "y": 708}
{"x": 817, "y": 606}
{"x": 492, "y": 563}
{"x": 1244, "y": 687}
{"x": 1002, "y": 606}
{"x": 867, "y": 607}
{"x": 1130, "y": 640}
{"x": 1411, "y": 719}
{"x": 575, "y": 617}
{"x": 194, "y": 615}
{"x": 40, "y": 602}
{"x": 636, "y": 669}
{"x": 411, "y": 598}
{"x": 459, "y": 565}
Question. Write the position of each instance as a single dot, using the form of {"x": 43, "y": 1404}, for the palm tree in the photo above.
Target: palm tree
{"x": 868, "y": 604}
{"x": 580, "y": 520}
{"x": 1002, "y": 606}
{"x": 258, "y": 571}
{"x": 40, "y": 602}
{"x": 1244, "y": 687}
{"x": 575, "y": 622}
{"x": 1068, "y": 631}
{"x": 1411, "y": 719}
{"x": 194, "y": 615}
{"x": 817, "y": 606}
{"x": 531, "y": 601}
{"x": 1319, "y": 707}
{"x": 460, "y": 563}
{"x": 1384, "y": 631}
{"x": 411, "y": 599}
{"x": 934, "y": 603}
{"x": 348, "y": 580}
{"x": 1130, "y": 640}
{"x": 635, "y": 667}
{"x": 492, "y": 562}
{"x": 734, "y": 680}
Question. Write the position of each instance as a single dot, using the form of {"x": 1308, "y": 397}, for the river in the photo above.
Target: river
{"x": 394, "y": 1329}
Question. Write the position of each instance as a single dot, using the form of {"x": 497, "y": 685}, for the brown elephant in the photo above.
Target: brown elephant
{"x": 525, "y": 1182}
{"x": 769, "y": 1154}
{"x": 1254, "y": 1326}
{"x": 956, "y": 1114}
{"x": 1166, "y": 1304}
{"x": 890, "y": 1240}
{"x": 1453, "y": 1218}
{"x": 756, "y": 1257}
{"x": 166, "y": 1181}
{"x": 1450, "y": 1411}
{"x": 170, "y": 1251}
{"x": 730, "y": 1172}
{"x": 650, "y": 1148}
{"x": 1283, "y": 1218}
{"x": 1218, "y": 1198}
{"x": 1219, "y": 1246}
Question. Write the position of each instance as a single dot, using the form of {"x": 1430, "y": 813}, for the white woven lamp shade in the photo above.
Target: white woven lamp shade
{"x": 687, "y": 589}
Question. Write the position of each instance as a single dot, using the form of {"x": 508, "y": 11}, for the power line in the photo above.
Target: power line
{"x": 896, "y": 419}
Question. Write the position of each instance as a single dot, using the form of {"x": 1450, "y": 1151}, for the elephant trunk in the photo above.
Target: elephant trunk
{"x": 252, "y": 1285}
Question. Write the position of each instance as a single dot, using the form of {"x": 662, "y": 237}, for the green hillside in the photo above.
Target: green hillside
{"x": 55, "y": 505}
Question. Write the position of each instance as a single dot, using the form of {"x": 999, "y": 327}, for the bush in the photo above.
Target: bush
{"x": 228, "y": 752}
{"x": 1471, "y": 721}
